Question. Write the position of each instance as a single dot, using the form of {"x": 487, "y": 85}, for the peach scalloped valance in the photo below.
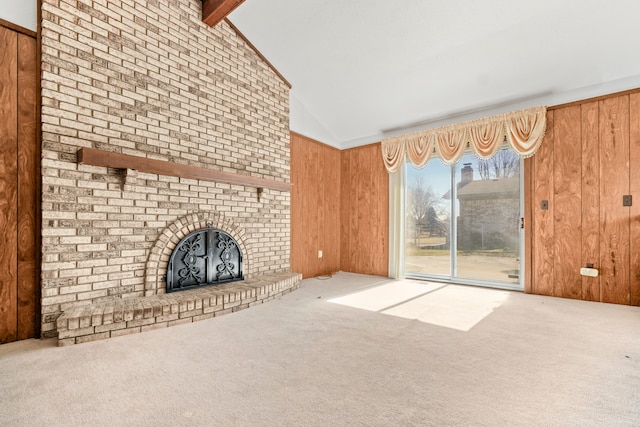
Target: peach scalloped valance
{"x": 523, "y": 130}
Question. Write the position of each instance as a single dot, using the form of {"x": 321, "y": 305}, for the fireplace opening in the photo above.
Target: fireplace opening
{"x": 205, "y": 257}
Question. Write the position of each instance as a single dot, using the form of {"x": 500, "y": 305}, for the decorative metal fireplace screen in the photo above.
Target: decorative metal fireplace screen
{"x": 205, "y": 257}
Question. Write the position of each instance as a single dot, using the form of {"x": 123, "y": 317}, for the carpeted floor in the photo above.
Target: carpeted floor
{"x": 366, "y": 358}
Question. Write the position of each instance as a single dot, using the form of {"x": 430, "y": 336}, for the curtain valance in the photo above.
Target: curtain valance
{"x": 523, "y": 130}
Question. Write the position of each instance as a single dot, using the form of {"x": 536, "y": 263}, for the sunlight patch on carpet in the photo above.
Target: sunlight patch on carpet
{"x": 451, "y": 306}
{"x": 455, "y": 307}
{"x": 385, "y": 296}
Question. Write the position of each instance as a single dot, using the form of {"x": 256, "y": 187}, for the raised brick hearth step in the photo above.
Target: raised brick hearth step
{"x": 131, "y": 315}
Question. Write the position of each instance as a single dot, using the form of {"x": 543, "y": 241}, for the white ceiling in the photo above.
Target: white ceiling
{"x": 365, "y": 69}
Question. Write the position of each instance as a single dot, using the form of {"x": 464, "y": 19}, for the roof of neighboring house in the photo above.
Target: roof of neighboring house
{"x": 486, "y": 187}
{"x": 490, "y": 186}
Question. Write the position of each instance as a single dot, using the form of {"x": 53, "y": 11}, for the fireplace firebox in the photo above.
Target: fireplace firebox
{"x": 205, "y": 257}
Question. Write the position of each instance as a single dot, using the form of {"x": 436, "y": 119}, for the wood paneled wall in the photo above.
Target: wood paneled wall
{"x": 19, "y": 185}
{"x": 365, "y": 211}
{"x": 315, "y": 207}
{"x": 339, "y": 205}
{"x": 589, "y": 160}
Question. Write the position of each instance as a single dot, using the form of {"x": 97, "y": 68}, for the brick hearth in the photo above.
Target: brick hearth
{"x": 132, "y": 315}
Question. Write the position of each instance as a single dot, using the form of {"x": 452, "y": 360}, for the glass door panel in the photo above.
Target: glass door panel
{"x": 428, "y": 210}
{"x": 488, "y": 217}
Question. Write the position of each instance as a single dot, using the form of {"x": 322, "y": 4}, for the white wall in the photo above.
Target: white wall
{"x": 305, "y": 123}
{"x": 20, "y": 12}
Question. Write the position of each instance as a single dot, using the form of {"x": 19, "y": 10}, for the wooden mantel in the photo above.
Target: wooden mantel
{"x": 89, "y": 156}
{"x": 214, "y": 11}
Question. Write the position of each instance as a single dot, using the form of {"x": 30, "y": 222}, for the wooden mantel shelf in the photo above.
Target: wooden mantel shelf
{"x": 89, "y": 156}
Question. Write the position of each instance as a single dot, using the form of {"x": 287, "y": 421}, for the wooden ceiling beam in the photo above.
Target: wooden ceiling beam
{"x": 214, "y": 11}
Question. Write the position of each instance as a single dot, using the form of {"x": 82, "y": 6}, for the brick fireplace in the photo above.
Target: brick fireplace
{"x": 148, "y": 79}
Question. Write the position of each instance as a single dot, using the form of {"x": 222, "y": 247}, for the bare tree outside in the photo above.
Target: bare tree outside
{"x": 505, "y": 164}
{"x": 423, "y": 208}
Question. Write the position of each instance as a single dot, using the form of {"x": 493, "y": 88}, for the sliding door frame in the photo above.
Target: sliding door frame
{"x": 453, "y": 227}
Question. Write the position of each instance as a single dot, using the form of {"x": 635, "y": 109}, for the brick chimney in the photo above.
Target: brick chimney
{"x": 466, "y": 173}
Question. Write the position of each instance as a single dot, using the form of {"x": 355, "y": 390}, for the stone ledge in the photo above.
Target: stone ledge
{"x": 132, "y": 315}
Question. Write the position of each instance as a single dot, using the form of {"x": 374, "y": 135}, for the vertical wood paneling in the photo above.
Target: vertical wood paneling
{"x": 543, "y": 234}
{"x": 603, "y": 142}
{"x": 295, "y": 165}
{"x": 324, "y": 216}
{"x": 29, "y": 189}
{"x": 364, "y": 217}
{"x": 345, "y": 210}
{"x": 8, "y": 185}
{"x": 365, "y": 207}
{"x": 332, "y": 210}
{"x": 567, "y": 201}
{"x": 381, "y": 189}
{"x": 354, "y": 207}
{"x": 590, "y": 198}
{"x": 305, "y": 187}
{"x": 634, "y": 184}
{"x": 529, "y": 173}
{"x": 315, "y": 207}
{"x": 614, "y": 183}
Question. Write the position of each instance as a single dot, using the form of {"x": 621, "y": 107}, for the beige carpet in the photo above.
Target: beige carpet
{"x": 423, "y": 355}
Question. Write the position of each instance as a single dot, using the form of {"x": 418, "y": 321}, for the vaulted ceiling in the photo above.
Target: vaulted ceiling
{"x": 365, "y": 69}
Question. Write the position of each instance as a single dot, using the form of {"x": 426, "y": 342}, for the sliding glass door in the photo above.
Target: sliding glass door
{"x": 463, "y": 222}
